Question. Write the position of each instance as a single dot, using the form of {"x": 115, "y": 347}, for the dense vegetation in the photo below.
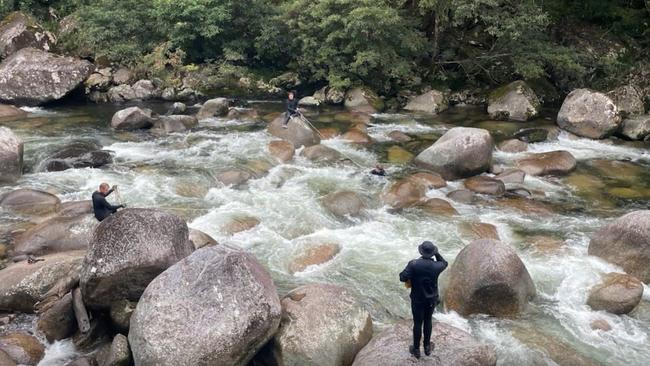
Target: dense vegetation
{"x": 387, "y": 44}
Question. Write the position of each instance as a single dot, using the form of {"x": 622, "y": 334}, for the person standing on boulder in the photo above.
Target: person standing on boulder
{"x": 101, "y": 207}
{"x": 421, "y": 275}
{"x": 292, "y": 108}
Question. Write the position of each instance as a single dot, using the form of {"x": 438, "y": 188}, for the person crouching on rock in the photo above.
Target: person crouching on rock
{"x": 102, "y": 208}
{"x": 421, "y": 275}
{"x": 292, "y": 108}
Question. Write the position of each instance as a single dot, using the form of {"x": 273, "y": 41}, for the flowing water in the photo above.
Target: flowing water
{"x": 177, "y": 172}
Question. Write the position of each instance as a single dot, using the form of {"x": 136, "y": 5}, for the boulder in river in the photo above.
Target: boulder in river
{"x": 461, "y": 152}
{"x": 513, "y": 146}
{"x": 532, "y": 135}
{"x": 217, "y": 107}
{"x": 512, "y": 176}
{"x": 549, "y": 163}
{"x": 618, "y": 293}
{"x": 11, "y": 156}
{"x": 428, "y": 180}
{"x": 58, "y": 321}
{"x": 438, "y": 207}
{"x": 18, "y": 31}
{"x": 399, "y": 136}
{"x": 488, "y": 277}
{"x": 23, "y": 348}
{"x": 234, "y": 178}
{"x": 33, "y": 77}
{"x": 201, "y": 239}
{"x": 218, "y": 306}
{"x": 357, "y": 136}
{"x": 175, "y": 123}
{"x": 515, "y": 101}
{"x": 625, "y": 242}
{"x": 433, "y": 101}
{"x": 589, "y": 114}
{"x": 343, "y": 203}
{"x": 322, "y": 325}
{"x": 30, "y": 202}
{"x": 144, "y": 89}
{"x": 364, "y": 100}
{"x": 628, "y": 99}
{"x": 282, "y": 150}
{"x": 321, "y": 154}
{"x": 298, "y": 132}
{"x": 121, "y": 93}
{"x": 453, "y": 347}
{"x": 404, "y": 193}
{"x": 128, "y": 250}
{"x": 58, "y": 234}
{"x": 485, "y": 185}
{"x": 314, "y": 255}
{"x": 10, "y": 112}
{"x": 77, "y": 154}
{"x": 119, "y": 353}
{"x": 133, "y": 118}
{"x": 637, "y": 127}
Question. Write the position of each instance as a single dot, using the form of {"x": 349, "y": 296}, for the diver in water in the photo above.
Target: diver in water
{"x": 292, "y": 108}
{"x": 101, "y": 207}
{"x": 379, "y": 170}
{"x": 421, "y": 275}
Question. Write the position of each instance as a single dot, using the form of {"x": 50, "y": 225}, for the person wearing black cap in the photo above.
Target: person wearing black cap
{"x": 422, "y": 275}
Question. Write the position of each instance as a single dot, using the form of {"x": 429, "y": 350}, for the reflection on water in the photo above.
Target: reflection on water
{"x": 177, "y": 172}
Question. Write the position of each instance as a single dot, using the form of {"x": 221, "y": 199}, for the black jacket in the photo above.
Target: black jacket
{"x": 292, "y": 106}
{"x": 423, "y": 274}
{"x": 102, "y": 208}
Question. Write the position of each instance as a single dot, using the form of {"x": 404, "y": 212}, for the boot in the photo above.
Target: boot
{"x": 428, "y": 348}
{"x": 415, "y": 351}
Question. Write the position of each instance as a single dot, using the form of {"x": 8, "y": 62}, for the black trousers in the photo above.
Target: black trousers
{"x": 422, "y": 320}
{"x": 288, "y": 116}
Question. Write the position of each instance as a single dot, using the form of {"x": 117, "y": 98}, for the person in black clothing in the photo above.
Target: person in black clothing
{"x": 379, "y": 170}
{"x": 102, "y": 208}
{"x": 292, "y": 108}
{"x": 422, "y": 275}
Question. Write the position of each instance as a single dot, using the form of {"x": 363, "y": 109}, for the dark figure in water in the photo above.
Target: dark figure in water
{"x": 292, "y": 108}
{"x": 102, "y": 208}
{"x": 379, "y": 170}
{"x": 422, "y": 275}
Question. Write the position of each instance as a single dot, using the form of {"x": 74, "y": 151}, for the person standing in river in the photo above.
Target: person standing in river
{"x": 101, "y": 207}
{"x": 292, "y": 108}
{"x": 421, "y": 275}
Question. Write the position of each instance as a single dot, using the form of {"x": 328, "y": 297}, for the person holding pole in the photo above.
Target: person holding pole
{"x": 101, "y": 207}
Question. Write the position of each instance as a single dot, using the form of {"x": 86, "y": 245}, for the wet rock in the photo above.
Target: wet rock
{"x": 461, "y": 152}
{"x": 243, "y": 114}
{"x": 30, "y": 202}
{"x": 551, "y": 348}
{"x": 462, "y": 196}
{"x": 403, "y": 193}
{"x": 517, "y": 190}
{"x": 75, "y": 208}
{"x": 33, "y": 77}
{"x": 201, "y": 239}
{"x": 176, "y": 123}
{"x": 309, "y": 102}
{"x": 58, "y": 321}
{"x": 83, "y": 361}
{"x": 11, "y": 156}
{"x": 321, "y": 154}
{"x": 543, "y": 244}
{"x": 438, "y": 207}
{"x": 589, "y": 114}
{"x": 177, "y": 108}
{"x": 217, "y": 107}
{"x": 119, "y": 355}
{"x": 128, "y": 250}
{"x": 625, "y": 242}
{"x": 344, "y": 203}
{"x": 399, "y": 136}
{"x": 618, "y": 293}
{"x": 144, "y": 90}
{"x": 19, "y": 31}
{"x": 479, "y": 230}
{"x": 398, "y": 155}
{"x": 234, "y": 178}
{"x": 23, "y": 348}
{"x": 485, "y": 185}
{"x": 77, "y": 154}
{"x": 240, "y": 224}
{"x": 6, "y": 360}
{"x": 215, "y": 285}
{"x": 364, "y": 100}
{"x": 282, "y": 150}
{"x": 525, "y": 205}
{"x": 10, "y": 112}
{"x": 321, "y": 325}
{"x": 328, "y": 133}
{"x": 453, "y": 347}
{"x": 313, "y": 256}
{"x": 509, "y": 176}
{"x": 513, "y": 146}
{"x": 600, "y": 324}
{"x": 515, "y": 101}
{"x": 532, "y": 135}
{"x": 433, "y": 102}
{"x": 297, "y": 132}
{"x": 628, "y": 100}
{"x": 133, "y": 118}
{"x": 549, "y": 163}
{"x": 637, "y": 127}
{"x": 121, "y": 312}
{"x": 357, "y": 136}
{"x": 488, "y": 277}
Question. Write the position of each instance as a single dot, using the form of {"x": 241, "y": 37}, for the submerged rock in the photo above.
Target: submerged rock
{"x": 399, "y": 136}
{"x": 240, "y": 224}
{"x": 589, "y": 114}
{"x": 133, "y": 118}
{"x": 322, "y": 325}
{"x": 216, "y": 307}
{"x": 625, "y": 242}
{"x": 343, "y": 203}
{"x": 549, "y": 163}
{"x": 433, "y": 102}
{"x": 513, "y": 146}
{"x": 176, "y": 123}
{"x": 485, "y": 185}
{"x": 618, "y": 293}
{"x": 515, "y": 101}
{"x": 461, "y": 152}
{"x": 11, "y": 156}
{"x": 321, "y": 154}
{"x": 479, "y": 230}
{"x": 438, "y": 206}
{"x": 488, "y": 277}
{"x": 453, "y": 347}
{"x": 297, "y": 132}
{"x": 314, "y": 255}
{"x": 404, "y": 193}
{"x": 127, "y": 251}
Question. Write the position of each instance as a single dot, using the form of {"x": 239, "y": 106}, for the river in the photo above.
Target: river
{"x": 177, "y": 171}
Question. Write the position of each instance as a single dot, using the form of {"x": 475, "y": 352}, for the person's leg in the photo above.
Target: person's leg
{"x": 428, "y": 325}
{"x": 416, "y": 310}
{"x": 287, "y": 117}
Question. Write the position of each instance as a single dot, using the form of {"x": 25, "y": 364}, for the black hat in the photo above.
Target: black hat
{"x": 427, "y": 249}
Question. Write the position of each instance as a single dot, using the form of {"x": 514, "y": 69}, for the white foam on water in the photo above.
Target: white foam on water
{"x": 59, "y": 353}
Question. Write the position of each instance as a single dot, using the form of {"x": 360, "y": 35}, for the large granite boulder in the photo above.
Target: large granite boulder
{"x": 128, "y": 250}
{"x": 628, "y": 99}
{"x": 488, "y": 277}
{"x": 298, "y": 132}
{"x": 133, "y": 118}
{"x": 33, "y": 77}
{"x": 625, "y": 242}
{"x": 58, "y": 234}
{"x": 453, "y": 347}
{"x": 515, "y": 101}
{"x": 22, "y": 284}
{"x": 362, "y": 99}
{"x": 18, "y": 31}
{"x": 343, "y": 203}
{"x": 217, "y": 107}
{"x": 77, "y": 154}
{"x": 461, "y": 152}
{"x": 637, "y": 127}
{"x": 11, "y": 156}
{"x": 218, "y": 306}
{"x": 322, "y": 325}
{"x": 30, "y": 202}
{"x": 549, "y": 163}
{"x": 432, "y": 102}
{"x": 618, "y": 293}
{"x": 589, "y": 114}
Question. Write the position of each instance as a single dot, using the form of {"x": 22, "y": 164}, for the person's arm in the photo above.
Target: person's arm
{"x": 406, "y": 274}
{"x": 104, "y": 203}
{"x": 439, "y": 258}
